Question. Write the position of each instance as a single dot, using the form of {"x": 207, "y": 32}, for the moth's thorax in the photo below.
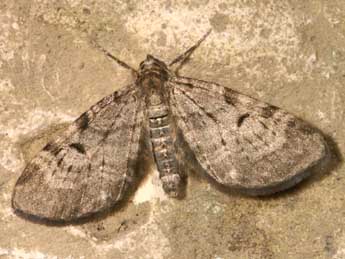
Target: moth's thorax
{"x": 153, "y": 75}
{"x": 152, "y": 68}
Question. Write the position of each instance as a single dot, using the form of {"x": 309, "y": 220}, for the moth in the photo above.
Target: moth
{"x": 238, "y": 141}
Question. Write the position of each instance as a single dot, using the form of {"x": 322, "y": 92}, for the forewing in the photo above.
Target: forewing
{"x": 89, "y": 167}
{"x": 241, "y": 142}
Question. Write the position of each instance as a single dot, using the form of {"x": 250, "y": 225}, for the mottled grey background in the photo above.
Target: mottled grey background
{"x": 290, "y": 53}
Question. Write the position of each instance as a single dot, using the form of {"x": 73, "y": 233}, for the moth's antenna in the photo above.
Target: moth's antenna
{"x": 182, "y": 59}
{"x": 118, "y": 61}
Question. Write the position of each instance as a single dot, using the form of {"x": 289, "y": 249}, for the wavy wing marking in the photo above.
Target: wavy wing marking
{"x": 241, "y": 142}
{"x": 89, "y": 167}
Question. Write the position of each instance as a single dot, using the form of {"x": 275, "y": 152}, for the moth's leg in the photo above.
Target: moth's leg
{"x": 118, "y": 61}
{"x": 182, "y": 59}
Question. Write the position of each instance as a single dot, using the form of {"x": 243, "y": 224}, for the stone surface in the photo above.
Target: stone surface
{"x": 288, "y": 53}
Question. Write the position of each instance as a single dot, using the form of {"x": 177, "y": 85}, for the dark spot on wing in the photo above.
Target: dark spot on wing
{"x": 230, "y": 100}
{"x": 49, "y": 147}
{"x": 56, "y": 151}
{"x": 186, "y": 84}
{"x": 223, "y": 142}
{"x": 52, "y": 148}
{"x": 79, "y": 147}
{"x": 116, "y": 94}
{"x": 211, "y": 116}
{"x": 268, "y": 111}
{"x": 83, "y": 121}
{"x": 190, "y": 86}
{"x": 59, "y": 162}
{"x": 69, "y": 169}
{"x": 103, "y": 162}
{"x": 291, "y": 123}
{"x": 241, "y": 119}
{"x": 263, "y": 124}
{"x": 230, "y": 97}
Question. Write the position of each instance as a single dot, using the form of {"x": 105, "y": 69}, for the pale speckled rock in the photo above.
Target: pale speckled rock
{"x": 288, "y": 53}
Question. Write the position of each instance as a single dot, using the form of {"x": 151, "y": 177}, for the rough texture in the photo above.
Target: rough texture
{"x": 287, "y": 53}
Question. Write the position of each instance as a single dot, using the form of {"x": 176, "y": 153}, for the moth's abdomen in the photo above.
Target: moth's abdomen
{"x": 162, "y": 139}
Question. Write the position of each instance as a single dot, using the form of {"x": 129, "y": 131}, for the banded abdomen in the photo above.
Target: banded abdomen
{"x": 163, "y": 137}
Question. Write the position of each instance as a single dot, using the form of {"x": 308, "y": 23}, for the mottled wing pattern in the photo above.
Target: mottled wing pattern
{"x": 89, "y": 167}
{"x": 241, "y": 142}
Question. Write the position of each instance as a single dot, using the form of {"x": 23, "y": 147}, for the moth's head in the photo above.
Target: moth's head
{"x": 152, "y": 65}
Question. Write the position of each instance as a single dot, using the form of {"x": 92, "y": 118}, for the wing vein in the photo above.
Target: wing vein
{"x": 208, "y": 114}
{"x": 135, "y": 124}
{"x": 209, "y": 167}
